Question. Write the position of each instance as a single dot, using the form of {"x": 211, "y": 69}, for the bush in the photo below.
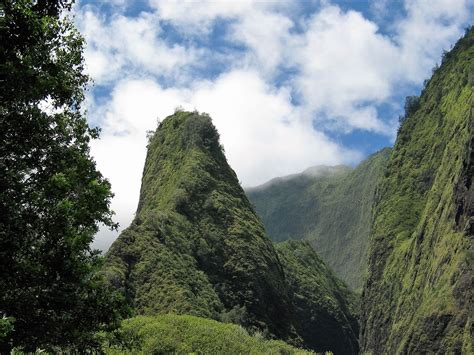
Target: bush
{"x": 187, "y": 334}
{"x": 6, "y": 327}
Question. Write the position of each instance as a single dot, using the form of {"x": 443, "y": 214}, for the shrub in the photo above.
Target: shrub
{"x": 187, "y": 334}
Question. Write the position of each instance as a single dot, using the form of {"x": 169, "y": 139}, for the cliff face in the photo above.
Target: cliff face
{"x": 328, "y": 206}
{"x": 325, "y": 309}
{"x": 196, "y": 246}
{"x": 419, "y": 295}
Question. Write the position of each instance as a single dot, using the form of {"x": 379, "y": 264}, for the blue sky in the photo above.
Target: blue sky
{"x": 289, "y": 84}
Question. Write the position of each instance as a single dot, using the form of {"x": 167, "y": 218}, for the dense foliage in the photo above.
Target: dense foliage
{"x": 328, "y": 206}
{"x": 51, "y": 195}
{"x": 325, "y": 309}
{"x": 419, "y": 294}
{"x": 170, "y": 334}
{"x": 196, "y": 246}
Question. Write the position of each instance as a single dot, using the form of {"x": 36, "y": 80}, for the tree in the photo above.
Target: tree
{"x": 52, "y": 198}
{"x": 412, "y": 104}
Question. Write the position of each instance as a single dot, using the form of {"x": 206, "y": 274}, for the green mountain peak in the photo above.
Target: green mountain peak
{"x": 196, "y": 246}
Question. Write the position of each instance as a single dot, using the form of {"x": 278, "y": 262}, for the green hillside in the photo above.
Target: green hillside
{"x": 419, "y": 294}
{"x": 328, "y": 206}
{"x": 325, "y": 309}
{"x": 173, "y": 334}
{"x": 196, "y": 246}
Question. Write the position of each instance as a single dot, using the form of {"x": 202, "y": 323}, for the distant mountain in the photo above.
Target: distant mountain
{"x": 196, "y": 247}
{"x": 314, "y": 171}
{"x": 419, "y": 296}
{"x": 328, "y": 206}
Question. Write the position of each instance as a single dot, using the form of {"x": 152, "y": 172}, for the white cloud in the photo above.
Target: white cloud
{"x": 266, "y": 35}
{"x": 343, "y": 63}
{"x": 429, "y": 27}
{"x": 347, "y": 66}
{"x": 197, "y": 16}
{"x": 130, "y": 44}
{"x": 261, "y": 26}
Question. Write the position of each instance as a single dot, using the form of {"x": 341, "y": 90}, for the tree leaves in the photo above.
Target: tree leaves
{"x": 52, "y": 198}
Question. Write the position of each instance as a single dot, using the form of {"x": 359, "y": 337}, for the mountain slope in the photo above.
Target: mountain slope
{"x": 328, "y": 206}
{"x": 419, "y": 296}
{"x": 196, "y": 246}
{"x": 325, "y": 309}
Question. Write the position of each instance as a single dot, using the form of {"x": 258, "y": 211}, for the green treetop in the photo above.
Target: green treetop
{"x": 52, "y": 197}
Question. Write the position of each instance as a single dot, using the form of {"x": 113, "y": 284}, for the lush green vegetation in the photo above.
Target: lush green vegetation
{"x": 195, "y": 268}
{"x": 418, "y": 297}
{"x": 325, "y": 309}
{"x": 169, "y": 334}
{"x": 328, "y": 206}
{"x": 52, "y": 198}
{"x": 196, "y": 246}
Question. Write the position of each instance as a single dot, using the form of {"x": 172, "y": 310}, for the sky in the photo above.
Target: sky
{"x": 288, "y": 84}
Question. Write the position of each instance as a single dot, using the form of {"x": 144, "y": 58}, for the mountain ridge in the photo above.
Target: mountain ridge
{"x": 332, "y": 212}
{"x": 312, "y": 171}
{"x": 419, "y": 293}
{"x": 325, "y": 308}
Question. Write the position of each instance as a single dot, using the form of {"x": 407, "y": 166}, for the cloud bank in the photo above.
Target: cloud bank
{"x": 281, "y": 80}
